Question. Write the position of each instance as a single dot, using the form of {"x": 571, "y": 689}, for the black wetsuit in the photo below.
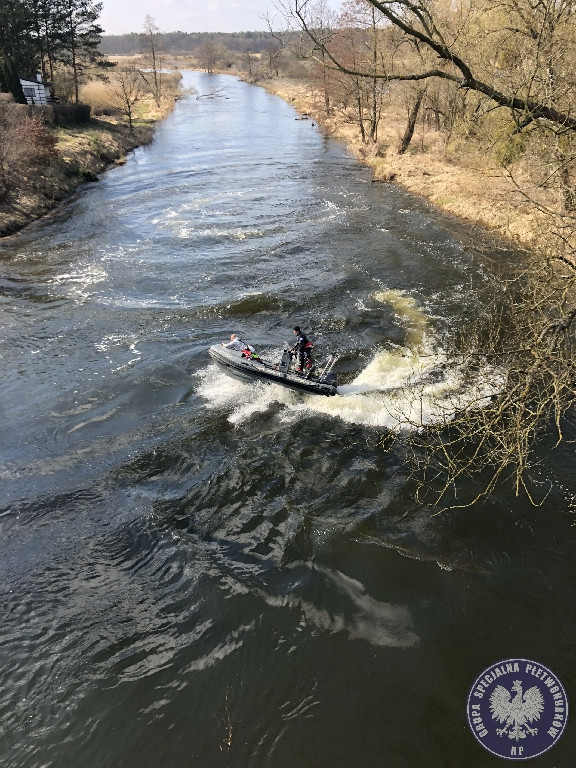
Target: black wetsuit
{"x": 302, "y": 349}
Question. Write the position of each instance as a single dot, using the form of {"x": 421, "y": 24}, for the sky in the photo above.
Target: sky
{"x": 120, "y": 16}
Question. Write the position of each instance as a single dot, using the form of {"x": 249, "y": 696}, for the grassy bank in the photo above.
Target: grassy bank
{"x": 458, "y": 176}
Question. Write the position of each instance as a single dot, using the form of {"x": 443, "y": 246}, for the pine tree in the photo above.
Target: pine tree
{"x": 79, "y": 39}
{"x": 47, "y": 23}
{"x": 17, "y": 58}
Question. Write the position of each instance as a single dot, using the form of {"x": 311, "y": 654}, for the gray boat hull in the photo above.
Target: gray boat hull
{"x": 232, "y": 362}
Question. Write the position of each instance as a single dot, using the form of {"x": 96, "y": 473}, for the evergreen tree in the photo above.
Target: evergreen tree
{"x": 17, "y": 58}
{"x": 47, "y": 23}
{"x": 79, "y": 40}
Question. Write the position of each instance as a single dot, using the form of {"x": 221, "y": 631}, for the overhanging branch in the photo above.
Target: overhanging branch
{"x": 431, "y": 37}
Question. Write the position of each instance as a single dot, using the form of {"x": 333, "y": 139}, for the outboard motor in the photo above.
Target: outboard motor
{"x": 285, "y": 362}
{"x": 330, "y": 378}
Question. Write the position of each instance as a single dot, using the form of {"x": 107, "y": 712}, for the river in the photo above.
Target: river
{"x": 197, "y": 571}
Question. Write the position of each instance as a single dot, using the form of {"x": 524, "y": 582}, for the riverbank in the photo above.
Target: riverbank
{"x": 456, "y": 176}
{"x": 74, "y": 154}
{"x": 81, "y": 152}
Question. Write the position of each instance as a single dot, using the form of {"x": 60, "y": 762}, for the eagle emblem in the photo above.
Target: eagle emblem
{"x": 516, "y": 711}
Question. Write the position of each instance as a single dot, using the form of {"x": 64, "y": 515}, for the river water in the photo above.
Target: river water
{"x": 201, "y": 572}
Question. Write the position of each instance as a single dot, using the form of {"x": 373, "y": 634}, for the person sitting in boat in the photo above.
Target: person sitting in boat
{"x": 237, "y": 343}
{"x": 302, "y": 348}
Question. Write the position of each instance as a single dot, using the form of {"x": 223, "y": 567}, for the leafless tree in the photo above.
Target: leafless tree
{"x": 154, "y": 52}
{"x": 448, "y": 37}
{"x": 510, "y": 67}
{"x": 526, "y": 347}
{"x": 126, "y": 90}
{"x": 207, "y": 54}
{"x": 361, "y": 43}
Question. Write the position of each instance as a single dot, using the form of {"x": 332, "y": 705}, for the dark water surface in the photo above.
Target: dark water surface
{"x": 200, "y": 572}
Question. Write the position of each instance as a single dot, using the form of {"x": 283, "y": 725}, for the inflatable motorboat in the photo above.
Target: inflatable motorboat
{"x": 237, "y": 365}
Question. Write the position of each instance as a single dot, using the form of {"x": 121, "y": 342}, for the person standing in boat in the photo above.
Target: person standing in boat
{"x": 302, "y": 348}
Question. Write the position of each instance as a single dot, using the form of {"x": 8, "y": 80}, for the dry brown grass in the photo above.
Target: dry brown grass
{"x": 95, "y": 93}
{"x": 98, "y": 95}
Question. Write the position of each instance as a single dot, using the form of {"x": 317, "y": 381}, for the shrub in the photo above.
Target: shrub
{"x": 26, "y": 144}
{"x": 70, "y": 114}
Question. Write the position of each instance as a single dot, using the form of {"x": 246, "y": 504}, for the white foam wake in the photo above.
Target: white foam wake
{"x": 401, "y": 389}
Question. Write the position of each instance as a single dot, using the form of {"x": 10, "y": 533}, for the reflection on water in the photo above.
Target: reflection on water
{"x": 199, "y": 571}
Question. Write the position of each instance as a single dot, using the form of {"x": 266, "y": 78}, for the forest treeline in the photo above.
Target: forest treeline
{"x": 178, "y": 43}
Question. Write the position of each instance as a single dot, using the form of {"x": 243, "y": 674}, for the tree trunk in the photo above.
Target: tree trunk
{"x": 360, "y": 109}
{"x": 374, "y": 111}
{"x": 326, "y": 86}
{"x": 73, "y": 61}
{"x": 412, "y": 117}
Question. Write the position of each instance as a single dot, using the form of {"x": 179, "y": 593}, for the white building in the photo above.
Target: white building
{"x": 36, "y": 91}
